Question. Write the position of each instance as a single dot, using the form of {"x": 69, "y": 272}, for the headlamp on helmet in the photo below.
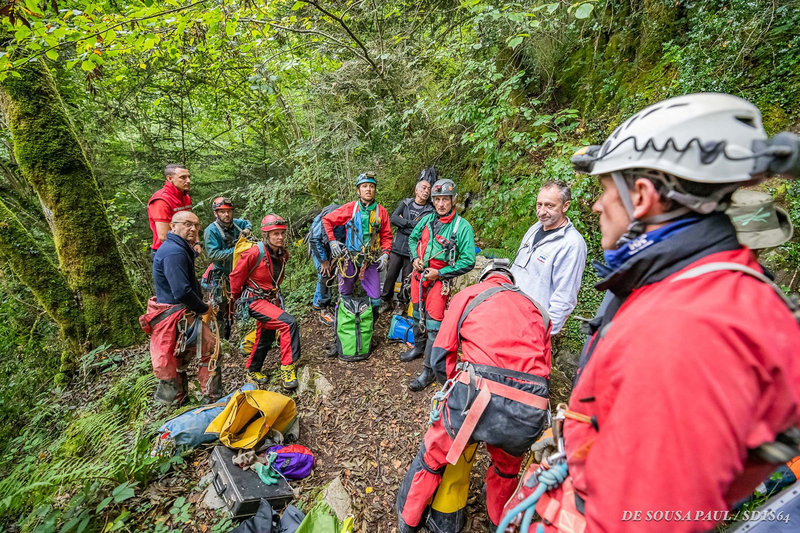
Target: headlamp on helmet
{"x": 366, "y": 177}
{"x": 272, "y": 222}
{"x": 221, "y": 202}
{"x": 443, "y": 188}
{"x": 498, "y": 266}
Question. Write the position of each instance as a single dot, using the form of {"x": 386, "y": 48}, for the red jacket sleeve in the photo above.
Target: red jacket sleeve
{"x": 672, "y": 391}
{"x": 386, "y": 230}
{"x": 337, "y": 217}
{"x": 241, "y": 271}
{"x": 444, "y": 355}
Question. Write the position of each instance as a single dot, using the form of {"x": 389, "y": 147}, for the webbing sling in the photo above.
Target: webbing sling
{"x": 166, "y": 313}
{"x": 738, "y": 267}
{"x": 488, "y": 387}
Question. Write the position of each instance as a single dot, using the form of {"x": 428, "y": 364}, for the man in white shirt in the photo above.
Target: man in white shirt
{"x": 551, "y": 258}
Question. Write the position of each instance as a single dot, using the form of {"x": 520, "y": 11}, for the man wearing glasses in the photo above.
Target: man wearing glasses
{"x": 173, "y": 316}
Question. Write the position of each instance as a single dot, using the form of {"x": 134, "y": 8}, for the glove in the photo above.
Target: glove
{"x": 544, "y": 447}
{"x": 246, "y": 233}
{"x": 267, "y": 472}
{"x": 382, "y": 262}
{"x": 337, "y": 249}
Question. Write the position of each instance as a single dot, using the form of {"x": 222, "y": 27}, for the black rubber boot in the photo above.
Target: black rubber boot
{"x": 332, "y": 350}
{"x": 427, "y": 376}
{"x": 418, "y": 350}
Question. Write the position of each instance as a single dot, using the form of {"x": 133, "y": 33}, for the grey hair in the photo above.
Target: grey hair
{"x": 170, "y": 169}
{"x": 563, "y": 189}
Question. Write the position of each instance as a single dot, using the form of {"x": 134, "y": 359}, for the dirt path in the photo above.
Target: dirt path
{"x": 367, "y": 430}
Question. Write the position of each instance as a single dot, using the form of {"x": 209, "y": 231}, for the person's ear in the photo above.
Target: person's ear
{"x": 566, "y": 206}
{"x": 645, "y": 198}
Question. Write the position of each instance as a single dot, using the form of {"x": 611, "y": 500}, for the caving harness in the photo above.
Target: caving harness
{"x": 449, "y": 250}
{"x": 253, "y": 291}
{"x": 361, "y": 254}
{"x": 481, "y": 388}
{"x": 193, "y": 334}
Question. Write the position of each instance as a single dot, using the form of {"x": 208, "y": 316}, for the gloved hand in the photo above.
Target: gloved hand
{"x": 246, "y": 233}
{"x": 382, "y": 262}
{"x": 544, "y": 447}
{"x": 337, "y": 249}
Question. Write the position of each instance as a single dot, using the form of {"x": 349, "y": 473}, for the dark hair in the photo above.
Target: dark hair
{"x": 170, "y": 169}
{"x": 563, "y": 189}
{"x": 664, "y": 182}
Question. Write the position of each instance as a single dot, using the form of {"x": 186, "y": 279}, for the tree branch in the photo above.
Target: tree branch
{"x": 347, "y": 29}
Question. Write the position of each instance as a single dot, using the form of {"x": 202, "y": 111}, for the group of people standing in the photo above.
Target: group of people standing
{"x": 687, "y": 393}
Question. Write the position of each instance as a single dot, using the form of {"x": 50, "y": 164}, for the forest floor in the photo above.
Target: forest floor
{"x": 365, "y": 431}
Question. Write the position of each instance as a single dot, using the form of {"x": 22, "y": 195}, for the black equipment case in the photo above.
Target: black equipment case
{"x": 242, "y": 490}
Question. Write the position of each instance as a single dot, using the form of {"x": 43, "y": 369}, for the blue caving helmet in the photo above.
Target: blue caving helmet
{"x": 366, "y": 177}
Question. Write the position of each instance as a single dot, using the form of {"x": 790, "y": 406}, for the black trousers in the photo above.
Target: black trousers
{"x": 398, "y": 265}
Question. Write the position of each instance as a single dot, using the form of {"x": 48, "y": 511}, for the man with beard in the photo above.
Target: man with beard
{"x": 220, "y": 239}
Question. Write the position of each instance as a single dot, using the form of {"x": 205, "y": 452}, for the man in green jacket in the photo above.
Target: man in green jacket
{"x": 442, "y": 247}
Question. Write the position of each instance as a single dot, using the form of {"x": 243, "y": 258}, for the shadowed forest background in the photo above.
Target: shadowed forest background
{"x": 280, "y": 105}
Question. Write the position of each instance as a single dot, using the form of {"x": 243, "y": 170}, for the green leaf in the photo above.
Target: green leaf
{"x": 103, "y": 504}
{"x": 583, "y": 11}
{"x": 123, "y": 492}
{"x": 297, "y": 5}
{"x": 552, "y": 7}
{"x": 87, "y": 65}
{"x": 52, "y": 54}
{"x": 513, "y": 43}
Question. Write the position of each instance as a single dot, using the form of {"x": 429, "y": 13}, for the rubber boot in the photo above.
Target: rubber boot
{"x": 418, "y": 350}
{"x": 172, "y": 390}
{"x": 427, "y": 376}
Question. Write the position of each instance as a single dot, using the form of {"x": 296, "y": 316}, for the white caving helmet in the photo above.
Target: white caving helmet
{"x": 707, "y": 138}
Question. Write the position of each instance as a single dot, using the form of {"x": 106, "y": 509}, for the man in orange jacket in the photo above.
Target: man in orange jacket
{"x": 257, "y": 278}
{"x": 694, "y": 362}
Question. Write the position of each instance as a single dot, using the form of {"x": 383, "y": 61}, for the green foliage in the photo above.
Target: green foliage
{"x": 92, "y": 460}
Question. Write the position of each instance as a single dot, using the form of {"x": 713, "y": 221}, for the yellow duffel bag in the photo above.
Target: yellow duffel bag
{"x": 249, "y": 415}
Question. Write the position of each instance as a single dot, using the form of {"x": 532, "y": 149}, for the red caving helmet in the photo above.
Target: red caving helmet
{"x": 272, "y": 222}
{"x": 221, "y": 202}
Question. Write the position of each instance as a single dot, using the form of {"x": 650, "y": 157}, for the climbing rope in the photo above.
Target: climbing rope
{"x": 547, "y": 480}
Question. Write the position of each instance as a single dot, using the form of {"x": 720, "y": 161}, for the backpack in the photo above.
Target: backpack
{"x": 242, "y": 245}
{"x": 317, "y": 230}
{"x": 428, "y": 174}
{"x": 401, "y": 329}
{"x": 354, "y": 328}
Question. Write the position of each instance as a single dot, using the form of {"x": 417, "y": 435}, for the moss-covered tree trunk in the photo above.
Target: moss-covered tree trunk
{"x": 53, "y": 161}
{"x": 31, "y": 264}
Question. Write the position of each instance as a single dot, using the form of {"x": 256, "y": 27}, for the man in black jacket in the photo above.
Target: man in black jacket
{"x": 404, "y": 218}
{"x": 173, "y": 316}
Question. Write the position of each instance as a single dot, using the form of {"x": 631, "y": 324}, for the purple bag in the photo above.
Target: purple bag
{"x": 294, "y": 461}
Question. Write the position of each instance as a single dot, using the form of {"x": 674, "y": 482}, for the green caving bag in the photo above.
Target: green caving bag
{"x": 354, "y": 328}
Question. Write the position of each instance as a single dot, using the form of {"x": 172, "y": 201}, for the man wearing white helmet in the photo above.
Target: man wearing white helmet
{"x": 688, "y": 393}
